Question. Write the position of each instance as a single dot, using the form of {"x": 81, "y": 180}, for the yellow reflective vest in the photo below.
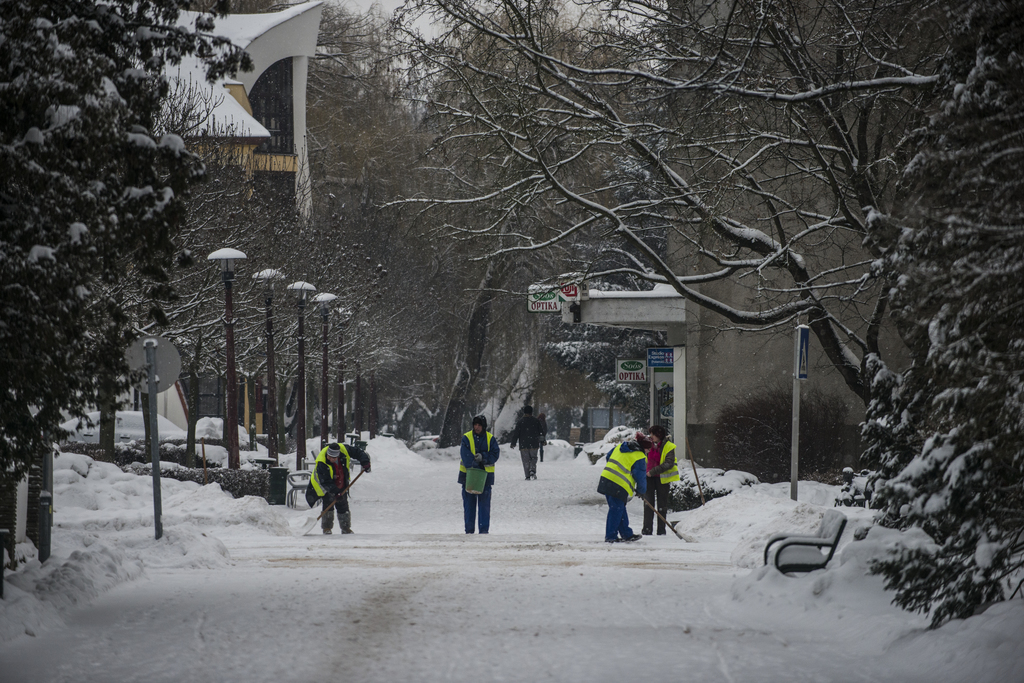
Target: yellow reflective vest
{"x": 671, "y": 474}
{"x": 620, "y": 466}
{"x": 472, "y": 449}
{"x": 322, "y": 458}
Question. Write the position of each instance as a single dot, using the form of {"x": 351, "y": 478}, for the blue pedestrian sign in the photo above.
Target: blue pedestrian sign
{"x": 803, "y": 344}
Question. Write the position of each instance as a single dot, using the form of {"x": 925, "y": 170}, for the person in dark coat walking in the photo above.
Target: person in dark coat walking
{"x": 528, "y": 432}
{"x": 544, "y": 434}
{"x": 479, "y": 450}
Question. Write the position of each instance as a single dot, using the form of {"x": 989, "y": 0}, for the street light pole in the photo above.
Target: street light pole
{"x": 324, "y": 299}
{"x": 340, "y": 425}
{"x": 270, "y": 406}
{"x": 227, "y": 257}
{"x": 301, "y": 290}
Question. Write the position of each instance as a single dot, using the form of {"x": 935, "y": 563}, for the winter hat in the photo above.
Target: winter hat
{"x": 333, "y": 451}
{"x": 527, "y": 410}
{"x": 643, "y": 441}
{"x": 480, "y": 420}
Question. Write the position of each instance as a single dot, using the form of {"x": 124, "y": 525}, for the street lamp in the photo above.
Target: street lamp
{"x": 301, "y": 291}
{"x": 343, "y": 316}
{"x": 324, "y": 299}
{"x": 268, "y": 277}
{"x": 227, "y": 258}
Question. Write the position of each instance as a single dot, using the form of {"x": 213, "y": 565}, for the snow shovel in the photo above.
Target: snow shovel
{"x": 671, "y": 525}
{"x": 312, "y": 522}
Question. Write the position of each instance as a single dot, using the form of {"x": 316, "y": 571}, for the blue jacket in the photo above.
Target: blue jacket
{"x": 639, "y": 472}
{"x": 490, "y": 455}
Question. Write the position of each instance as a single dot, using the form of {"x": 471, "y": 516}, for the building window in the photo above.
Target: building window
{"x": 271, "y": 100}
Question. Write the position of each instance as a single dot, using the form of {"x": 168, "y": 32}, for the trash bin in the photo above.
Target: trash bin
{"x": 278, "y": 485}
{"x": 577, "y": 448}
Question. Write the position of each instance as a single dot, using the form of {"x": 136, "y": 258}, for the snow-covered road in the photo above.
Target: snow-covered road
{"x": 541, "y": 598}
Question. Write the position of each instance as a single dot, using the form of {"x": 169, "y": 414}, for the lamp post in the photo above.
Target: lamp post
{"x": 267, "y": 277}
{"x": 340, "y": 425}
{"x": 227, "y": 258}
{"x": 301, "y": 291}
{"x": 324, "y": 299}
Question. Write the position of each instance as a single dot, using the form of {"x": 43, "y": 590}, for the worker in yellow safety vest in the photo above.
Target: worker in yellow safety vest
{"x": 624, "y": 476}
{"x": 479, "y": 451}
{"x": 661, "y": 471}
{"x": 330, "y": 479}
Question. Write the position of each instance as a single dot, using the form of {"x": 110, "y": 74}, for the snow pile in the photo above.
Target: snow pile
{"x": 557, "y": 449}
{"x": 714, "y": 479}
{"x": 615, "y": 436}
{"x": 103, "y": 536}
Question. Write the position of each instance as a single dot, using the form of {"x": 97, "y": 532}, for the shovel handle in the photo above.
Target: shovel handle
{"x": 338, "y": 497}
{"x": 668, "y": 523}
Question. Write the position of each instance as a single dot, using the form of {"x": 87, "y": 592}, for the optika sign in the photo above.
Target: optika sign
{"x": 544, "y": 302}
{"x": 630, "y": 371}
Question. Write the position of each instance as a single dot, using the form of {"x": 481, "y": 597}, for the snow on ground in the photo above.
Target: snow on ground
{"x": 235, "y": 592}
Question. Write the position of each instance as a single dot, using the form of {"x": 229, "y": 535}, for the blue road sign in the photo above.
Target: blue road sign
{"x": 803, "y": 336}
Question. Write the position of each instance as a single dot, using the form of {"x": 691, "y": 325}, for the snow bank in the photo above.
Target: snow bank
{"x": 103, "y": 536}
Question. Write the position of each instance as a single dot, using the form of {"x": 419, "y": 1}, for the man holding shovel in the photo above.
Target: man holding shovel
{"x": 661, "y": 472}
{"x": 479, "y": 452}
{"x": 329, "y": 482}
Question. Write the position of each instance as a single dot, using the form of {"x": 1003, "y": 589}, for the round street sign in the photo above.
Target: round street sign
{"x": 168, "y": 362}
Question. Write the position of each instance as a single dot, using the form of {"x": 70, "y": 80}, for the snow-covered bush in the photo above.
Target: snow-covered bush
{"x": 236, "y": 482}
{"x": 714, "y": 483}
{"x": 598, "y": 449}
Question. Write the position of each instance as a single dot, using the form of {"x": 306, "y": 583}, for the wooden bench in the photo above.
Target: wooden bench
{"x": 796, "y": 553}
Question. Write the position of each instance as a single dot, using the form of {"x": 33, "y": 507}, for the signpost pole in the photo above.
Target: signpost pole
{"x": 679, "y": 394}
{"x": 154, "y": 443}
{"x": 800, "y": 362}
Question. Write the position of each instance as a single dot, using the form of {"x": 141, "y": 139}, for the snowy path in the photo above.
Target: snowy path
{"x": 408, "y": 599}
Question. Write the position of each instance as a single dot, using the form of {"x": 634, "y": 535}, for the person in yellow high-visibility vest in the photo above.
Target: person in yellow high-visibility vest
{"x": 661, "y": 472}
{"x": 624, "y": 476}
{"x": 329, "y": 478}
{"x": 479, "y": 450}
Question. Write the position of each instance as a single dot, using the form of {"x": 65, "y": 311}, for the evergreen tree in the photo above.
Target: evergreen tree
{"x": 949, "y": 434}
{"x": 84, "y": 188}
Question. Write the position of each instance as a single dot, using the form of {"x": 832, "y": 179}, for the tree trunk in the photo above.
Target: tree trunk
{"x": 563, "y": 418}
{"x": 372, "y": 416}
{"x": 357, "y": 419}
{"x": 108, "y": 418}
{"x": 193, "y": 400}
{"x": 9, "y": 513}
{"x": 250, "y": 414}
{"x": 475, "y": 341}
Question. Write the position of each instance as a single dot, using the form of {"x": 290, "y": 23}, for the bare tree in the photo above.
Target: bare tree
{"x": 761, "y": 139}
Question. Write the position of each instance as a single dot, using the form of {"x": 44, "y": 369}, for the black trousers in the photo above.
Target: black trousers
{"x": 327, "y": 521}
{"x": 656, "y": 491}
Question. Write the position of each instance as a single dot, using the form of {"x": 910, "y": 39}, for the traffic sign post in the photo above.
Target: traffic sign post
{"x": 801, "y": 356}
{"x": 162, "y": 363}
